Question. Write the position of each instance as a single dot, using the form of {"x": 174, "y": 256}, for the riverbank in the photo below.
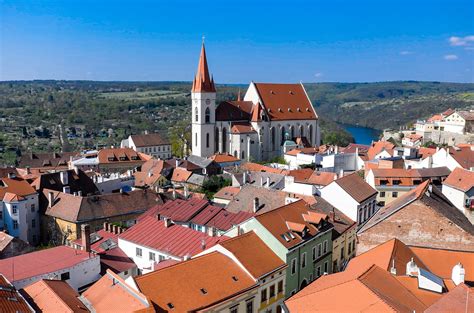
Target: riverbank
{"x": 362, "y": 135}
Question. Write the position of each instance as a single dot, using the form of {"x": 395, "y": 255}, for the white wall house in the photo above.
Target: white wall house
{"x": 151, "y": 144}
{"x": 458, "y": 187}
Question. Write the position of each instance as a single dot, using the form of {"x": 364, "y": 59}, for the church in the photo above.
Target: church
{"x": 255, "y": 128}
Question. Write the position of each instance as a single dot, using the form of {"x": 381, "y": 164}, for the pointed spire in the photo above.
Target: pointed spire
{"x": 203, "y": 82}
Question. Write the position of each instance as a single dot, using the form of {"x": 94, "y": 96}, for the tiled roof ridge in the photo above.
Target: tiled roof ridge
{"x": 44, "y": 282}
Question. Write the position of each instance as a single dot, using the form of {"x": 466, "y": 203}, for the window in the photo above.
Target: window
{"x": 349, "y": 247}
{"x": 272, "y": 291}
{"x": 65, "y": 276}
{"x": 342, "y": 253}
{"x": 293, "y": 266}
{"x": 33, "y": 223}
{"x": 243, "y": 155}
{"x": 1, "y": 215}
{"x": 15, "y": 224}
{"x": 207, "y": 140}
{"x": 208, "y": 116}
{"x": 196, "y": 114}
{"x": 263, "y": 295}
{"x": 34, "y": 238}
{"x": 152, "y": 256}
{"x": 234, "y": 309}
{"x": 280, "y": 286}
{"x": 14, "y": 209}
{"x": 395, "y": 194}
{"x": 196, "y": 139}
{"x": 249, "y": 306}
{"x": 161, "y": 257}
{"x": 303, "y": 260}
{"x": 32, "y": 207}
{"x": 326, "y": 267}
{"x": 325, "y": 250}
{"x": 318, "y": 271}
{"x": 138, "y": 252}
{"x": 382, "y": 194}
{"x": 224, "y": 140}
{"x": 319, "y": 250}
{"x": 273, "y": 141}
{"x": 314, "y": 253}
{"x": 396, "y": 182}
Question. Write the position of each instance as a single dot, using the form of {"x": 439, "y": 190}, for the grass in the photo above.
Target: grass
{"x": 141, "y": 95}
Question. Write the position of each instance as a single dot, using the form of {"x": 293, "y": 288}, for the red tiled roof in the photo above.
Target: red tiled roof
{"x": 148, "y": 140}
{"x": 460, "y": 179}
{"x": 460, "y": 299}
{"x": 206, "y": 215}
{"x": 301, "y": 175}
{"x": 321, "y": 178}
{"x": 181, "y": 175}
{"x": 464, "y": 155}
{"x": 10, "y": 299}
{"x": 242, "y": 128}
{"x": 15, "y": 186}
{"x": 42, "y": 262}
{"x": 176, "y": 240}
{"x": 223, "y": 158}
{"x": 225, "y": 220}
{"x": 356, "y": 187}
{"x": 180, "y": 210}
{"x": 285, "y": 101}
{"x": 114, "y": 154}
{"x": 227, "y": 193}
{"x": 234, "y": 111}
{"x": 203, "y": 81}
{"x": 378, "y": 147}
{"x": 255, "y": 167}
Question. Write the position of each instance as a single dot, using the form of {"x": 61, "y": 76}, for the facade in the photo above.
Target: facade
{"x": 254, "y": 128}
{"x": 352, "y": 196}
{"x": 421, "y": 217}
{"x": 300, "y": 237}
{"x": 151, "y": 144}
{"x": 459, "y": 189}
{"x": 19, "y": 210}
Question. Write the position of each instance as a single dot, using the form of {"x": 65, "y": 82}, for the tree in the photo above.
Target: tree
{"x": 180, "y": 138}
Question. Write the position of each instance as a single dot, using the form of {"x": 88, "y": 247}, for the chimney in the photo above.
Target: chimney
{"x": 28, "y": 170}
{"x": 79, "y": 193}
{"x": 86, "y": 237}
{"x": 63, "y": 177}
{"x": 187, "y": 257}
{"x": 176, "y": 163}
{"x": 412, "y": 268}
{"x": 335, "y": 176}
{"x": 186, "y": 191}
{"x": 357, "y": 151}
{"x": 256, "y": 205}
{"x": 174, "y": 192}
{"x": 158, "y": 216}
{"x": 66, "y": 189}
{"x": 106, "y": 226}
{"x": 244, "y": 181}
{"x": 261, "y": 181}
{"x": 115, "y": 229}
{"x": 332, "y": 215}
{"x": 167, "y": 222}
{"x": 268, "y": 182}
{"x": 11, "y": 175}
{"x": 393, "y": 270}
{"x": 203, "y": 244}
{"x": 50, "y": 199}
{"x": 458, "y": 274}
{"x": 150, "y": 173}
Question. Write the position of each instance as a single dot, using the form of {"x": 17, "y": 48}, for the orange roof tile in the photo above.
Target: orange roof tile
{"x": 460, "y": 299}
{"x": 223, "y": 158}
{"x": 181, "y": 175}
{"x": 378, "y": 147}
{"x": 460, "y": 179}
{"x": 116, "y": 155}
{"x": 321, "y": 178}
{"x": 227, "y": 193}
{"x": 10, "y": 299}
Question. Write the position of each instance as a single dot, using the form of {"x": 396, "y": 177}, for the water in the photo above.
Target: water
{"x": 362, "y": 135}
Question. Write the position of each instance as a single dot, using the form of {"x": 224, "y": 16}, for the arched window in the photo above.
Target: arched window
{"x": 196, "y": 114}
{"x": 208, "y": 115}
{"x": 216, "y": 140}
{"x": 273, "y": 138}
{"x": 243, "y": 155}
{"x": 283, "y": 135}
{"x": 292, "y": 132}
{"x": 224, "y": 140}
{"x": 207, "y": 140}
{"x": 235, "y": 154}
{"x": 301, "y": 131}
{"x": 310, "y": 131}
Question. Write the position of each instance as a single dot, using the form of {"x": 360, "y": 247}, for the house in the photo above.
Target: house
{"x": 254, "y": 128}
{"x": 215, "y": 221}
{"x": 302, "y": 238}
{"x": 67, "y": 212}
{"x": 308, "y": 184}
{"x": 208, "y": 166}
{"x": 151, "y": 144}
{"x": 113, "y": 160}
{"x": 391, "y": 277}
{"x": 422, "y": 217}
{"x": 153, "y": 240}
{"x": 458, "y": 187}
{"x": 46, "y": 162}
{"x": 253, "y": 199}
{"x": 412, "y": 140}
{"x": 225, "y": 195}
{"x": 213, "y": 282}
{"x": 153, "y": 173}
{"x": 11, "y": 246}
{"x": 225, "y": 160}
{"x": 264, "y": 266}
{"x": 11, "y": 300}
{"x": 452, "y": 157}
{"x": 104, "y": 243}
{"x": 77, "y": 268}
{"x": 393, "y": 183}
{"x": 111, "y": 293}
{"x": 113, "y": 182}
{"x": 459, "y": 122}
{"x": 48, "y": 295}
{"x": 380, "y": 150}
{"x": 179, "y": 211}
{"x": 352, "y": 196}
{"x": 19, "y": 209}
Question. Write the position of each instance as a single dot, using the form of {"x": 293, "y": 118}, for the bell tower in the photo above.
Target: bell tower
{"x": 203, "y": 117}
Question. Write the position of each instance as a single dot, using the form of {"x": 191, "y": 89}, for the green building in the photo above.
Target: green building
{"x": 299, "y": 236}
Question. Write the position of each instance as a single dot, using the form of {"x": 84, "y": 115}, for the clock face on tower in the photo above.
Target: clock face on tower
{"x": 208, "y": 101}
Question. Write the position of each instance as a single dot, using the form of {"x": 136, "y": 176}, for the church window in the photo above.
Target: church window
{"x": 273, "y": 138}
{"x": 196, "y": 139}
{"x": 224, "y": 140}
{"x": 235, "y": 153}
{"x": 310, "y": 130}
{"x": 196, "y": 114}
{"x": 292, "y": 132}
{"x": 207, "y": 140}
{"x": 216, "y": 140}
{"x": 208, "y": 115}
{"x": 243, "y": 155}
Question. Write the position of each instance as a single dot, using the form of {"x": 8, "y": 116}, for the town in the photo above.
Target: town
{"x": 255, "y": 215}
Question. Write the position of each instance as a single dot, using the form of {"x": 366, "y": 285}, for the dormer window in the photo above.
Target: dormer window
{"x": 123, "y": 158}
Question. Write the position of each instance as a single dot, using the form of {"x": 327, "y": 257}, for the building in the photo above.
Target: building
{"x": 46, "y": 162}
{"x": 352, "y": 196}
{"x": 225, "y": 195}
{"x": 301, "y": 237}
{"x": 67, "y": 212}
{"x": 254, "y": 128}
{"x": 151, "y": 144}
{"x": 225, "y": 160}
{"x": 216, "y": 221}
{"x": 395, "y": 182}
{"x": 459, "y": 122}
{"x": 212, "y": 282}
{"x": 111, "y": 293}
{"x": 77, "y": 268}
{"x": 19, "y": 209}
{"x": 308, "y": 184}
{"x": 380, "y": 150}
{"x": 392, "y": 277}
{"x": 48, "y": 295}
{"x": 452, "y": 157}
{"x": 153, "y": 173}
{"x": 458, "y": 187}
{"x": 412, "y": 140}
{"x": 11, "y": 246}
{"x": 264, "y": 266}
{"x": 421, "y": 217}
{"x": 12, "y": 301}
{"x": 153, "y": 240}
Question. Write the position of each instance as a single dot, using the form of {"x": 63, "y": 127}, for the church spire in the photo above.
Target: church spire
{"x": 203, "y": 82}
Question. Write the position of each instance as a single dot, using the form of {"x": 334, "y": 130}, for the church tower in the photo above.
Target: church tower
{"x": 203, "y": 117}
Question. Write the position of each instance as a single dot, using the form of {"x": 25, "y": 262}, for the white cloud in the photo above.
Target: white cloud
{"x": 450, "y": 57}
{"x": 406, "y": 52}
{"x": 461, "y": 41}
{"x": 318, "y": 74}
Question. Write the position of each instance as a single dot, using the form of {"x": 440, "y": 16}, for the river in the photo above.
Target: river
{"x": 362, "y": 135}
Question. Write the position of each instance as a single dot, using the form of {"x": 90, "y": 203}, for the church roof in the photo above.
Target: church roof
{"x": 234, "y": 111}
{"x": 203, "y": 82}
{"x": 285, "y": 101}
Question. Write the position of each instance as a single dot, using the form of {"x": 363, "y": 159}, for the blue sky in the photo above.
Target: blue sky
{"x": 274, "y": 41}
